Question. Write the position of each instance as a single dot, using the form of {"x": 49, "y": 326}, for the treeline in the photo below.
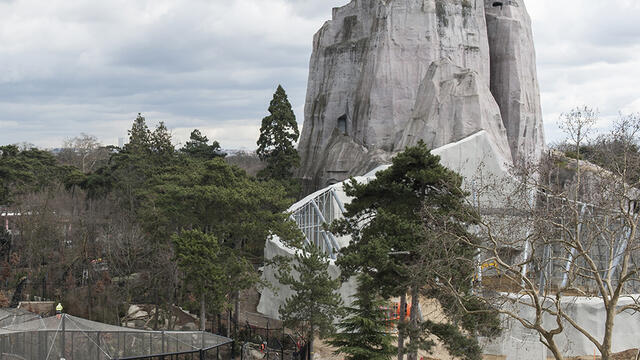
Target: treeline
{"x": 99, "y": 228}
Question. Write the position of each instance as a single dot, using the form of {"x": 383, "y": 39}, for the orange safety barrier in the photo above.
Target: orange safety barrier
{"x": 393, "y": 311}
{"x": 392, "y": 314}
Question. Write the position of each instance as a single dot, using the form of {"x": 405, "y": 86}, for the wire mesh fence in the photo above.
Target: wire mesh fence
{"x": 11, "y": 316}
{"x": 68, "y": 337}
{"x": 272, "y": 343}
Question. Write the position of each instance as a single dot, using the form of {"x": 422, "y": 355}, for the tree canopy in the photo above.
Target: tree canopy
{"x": 365, "y": 333}
{"x": 26, "y": 170}
{"x": 397, "y": 224}
{"x": 278, "y": 135}
{"x": 145, "y": 223}
{"x": 198, "y": 146}
{"x": 315, "y": 303}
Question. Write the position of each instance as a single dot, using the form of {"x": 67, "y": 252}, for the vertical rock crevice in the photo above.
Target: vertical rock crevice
{"x": 514, "y": 82}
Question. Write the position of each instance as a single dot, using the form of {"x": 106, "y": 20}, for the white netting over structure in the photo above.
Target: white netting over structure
{"x": 12, "y": 316}
{"x": 69, "y": 337}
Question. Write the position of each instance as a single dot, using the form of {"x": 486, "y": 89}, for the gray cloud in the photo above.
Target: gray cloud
{"x": 89, "y": 67}
{"x": 588, "y": 54}
{"x": 86, "y": 66}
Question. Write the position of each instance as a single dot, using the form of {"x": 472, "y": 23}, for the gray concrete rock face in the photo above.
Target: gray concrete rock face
{"x": 514, "y": 81}
{"x": 453, "y": 103}
{"x": 386, "y": 73}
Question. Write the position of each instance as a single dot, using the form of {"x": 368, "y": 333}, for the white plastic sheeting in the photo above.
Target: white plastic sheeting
{"x": 517, "y": 342}
{"x": 270, "y": 300}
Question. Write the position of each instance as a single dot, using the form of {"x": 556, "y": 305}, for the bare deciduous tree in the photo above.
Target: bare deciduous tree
{"x": 84, "y": 152}
{"x": 563, "y": 230}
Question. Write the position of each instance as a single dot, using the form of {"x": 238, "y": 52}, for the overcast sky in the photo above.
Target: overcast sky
{"x": 68, "y": 67}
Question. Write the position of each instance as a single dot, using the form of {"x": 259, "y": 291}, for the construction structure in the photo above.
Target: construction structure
{"x": 549, "y": 265}
{"x": 72, "y": 338}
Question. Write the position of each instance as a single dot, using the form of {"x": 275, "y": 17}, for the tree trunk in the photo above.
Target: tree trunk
{"x": 228, "y": 323}
{"x": 311, "y": 336}
{"x": 44, "y": 285}
{"x": 203, "y": 314}
{"x": 236, "y": 315}
{"x": 401, "y": 321}
{"x": 414, "y": 323}
{"x": 557, "y": 354}
{"x": 155, "y": 316}
{"x": 608, "y": 330}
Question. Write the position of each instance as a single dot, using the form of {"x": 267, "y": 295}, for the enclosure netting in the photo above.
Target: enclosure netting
{"x": 70, "y": 337}
{"x": 11, "y": 316}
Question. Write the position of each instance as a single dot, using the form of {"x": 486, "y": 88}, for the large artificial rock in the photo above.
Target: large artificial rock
{"x": 452, "y": 103}
{"x": 514, "y": 81}
{"x": 365, "y": 73}
{"x": 385, "y": 73}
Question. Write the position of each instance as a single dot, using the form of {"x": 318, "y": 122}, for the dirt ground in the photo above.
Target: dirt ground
{"x": 429, "y": 308}
{"x": 325, "y": 352}
{"x": 633, "y": 354}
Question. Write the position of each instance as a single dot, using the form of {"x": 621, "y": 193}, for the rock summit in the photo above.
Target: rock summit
{"x": 385, "y": 74}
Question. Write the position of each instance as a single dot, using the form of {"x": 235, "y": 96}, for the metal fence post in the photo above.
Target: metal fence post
{"x": 97, "y": 344}
{"x": 63, "y": 339}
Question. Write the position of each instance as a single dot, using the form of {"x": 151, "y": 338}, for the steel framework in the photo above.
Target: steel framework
{"x": 312, "y": 217}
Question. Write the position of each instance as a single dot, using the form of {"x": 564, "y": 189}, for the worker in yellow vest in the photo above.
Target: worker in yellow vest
{"x": 59, "y": 311}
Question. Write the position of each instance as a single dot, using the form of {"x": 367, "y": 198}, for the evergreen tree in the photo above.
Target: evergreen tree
{"x": 128, "y": 180}
{"x": 196, "y": 254}
{"x": 315, "y": 303}
{"x": 397, "y": 224}
{"x": 217, "y": 198}
{"x": 161, "y": 142}
{"x": 198, "y": 146}
{"x": 210, "y": 270}
{"x": 26, "y": 170}
{"x": 139, "y": 136}
{"x": 278, "y": 134}
{"x": 365, "y": 333}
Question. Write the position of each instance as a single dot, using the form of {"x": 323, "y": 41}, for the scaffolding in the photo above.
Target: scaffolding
{"x": 312, "y": 216}
{"x": 553, "y": 260}
{"x": 73, "y": 338}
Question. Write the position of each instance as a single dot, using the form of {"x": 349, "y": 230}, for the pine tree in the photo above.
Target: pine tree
{"x": 161, "y": 142}
{"x": 198, "y": 146}
{"x": 26, "y": 170}
{"x": 402, "y": 224}
{"x": 315, "y": 303}
{"x": 196, "y": 254}
{"x": 212, "y": 271}
{"x": 364, "y": 333}
{"x": 278, "y": 134}
{"x": 139, "y": 136}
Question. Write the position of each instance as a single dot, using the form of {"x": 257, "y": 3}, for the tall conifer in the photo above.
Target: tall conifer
{"x": 365, "y": 333}
{"x": 278, "y": 134}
